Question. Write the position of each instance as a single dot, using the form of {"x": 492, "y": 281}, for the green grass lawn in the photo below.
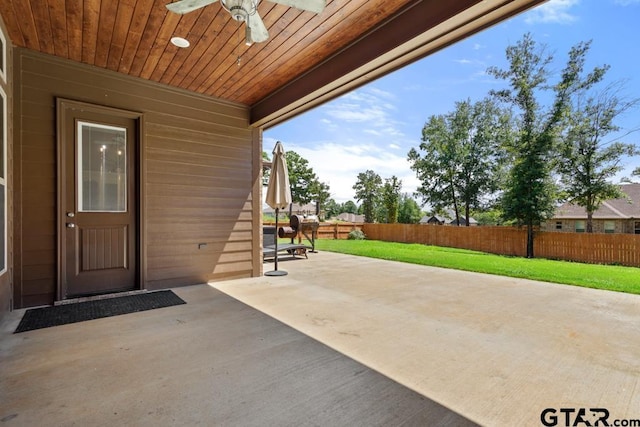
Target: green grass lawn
{"x": 609, "y": 277}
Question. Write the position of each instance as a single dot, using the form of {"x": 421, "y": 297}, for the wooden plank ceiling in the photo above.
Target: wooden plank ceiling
{"x": 133, "y": 37}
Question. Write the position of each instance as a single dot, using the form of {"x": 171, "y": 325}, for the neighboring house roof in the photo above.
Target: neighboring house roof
{"x": 623, "y": 208}
{"x": 446, "y": 218}
{"x": 427, "y": 219}
{"x": 308, "y": 209}
{"x": 463, "y": 221}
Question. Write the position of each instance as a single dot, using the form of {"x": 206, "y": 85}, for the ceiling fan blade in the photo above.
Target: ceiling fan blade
{"x": 315, "y": 6}
{"x": 186, "y": 6}
{"x": 259, "y": 32}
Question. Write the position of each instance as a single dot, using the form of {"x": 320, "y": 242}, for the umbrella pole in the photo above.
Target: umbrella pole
{"x": 276, "y": 272}
{"x": 276, "y": 239}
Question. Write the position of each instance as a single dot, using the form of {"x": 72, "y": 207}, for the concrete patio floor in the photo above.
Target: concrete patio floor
{"x": 425, "y": 346}
{"x": 497, "y": 350}
{"x": 212, "y": 362}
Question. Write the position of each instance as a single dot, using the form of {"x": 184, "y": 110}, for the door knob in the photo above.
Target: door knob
{"x": 70, "y": 214}
{"x": 71, "y": 225}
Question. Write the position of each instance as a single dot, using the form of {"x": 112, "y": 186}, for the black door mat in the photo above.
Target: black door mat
{"x": 46, "y": 317}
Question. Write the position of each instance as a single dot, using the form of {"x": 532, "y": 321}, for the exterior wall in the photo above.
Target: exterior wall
{"x": 6, "y": 291}
{"x": 629, "y": 226}
{"x": 198, "y": 180}
{"x": 550, "y": 225}
{"x": 568, "y": 226}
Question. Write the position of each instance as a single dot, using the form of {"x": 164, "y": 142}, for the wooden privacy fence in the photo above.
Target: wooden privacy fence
{"x": 498, "y": 240}
{"x": 597, "y": 248}
{"x": 327, "y": 230}
{"x": 623, "y": 249}
{"x": 338, "y": 230}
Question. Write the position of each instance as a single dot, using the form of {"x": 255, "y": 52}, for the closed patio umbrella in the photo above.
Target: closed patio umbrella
{"x": 278, "y": 194}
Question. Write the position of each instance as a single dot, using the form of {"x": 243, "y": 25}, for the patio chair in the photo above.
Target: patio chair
{"x": 269, "y": 234}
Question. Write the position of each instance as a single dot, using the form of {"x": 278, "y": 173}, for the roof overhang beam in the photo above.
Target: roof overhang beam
{"x": 420, "y": 29}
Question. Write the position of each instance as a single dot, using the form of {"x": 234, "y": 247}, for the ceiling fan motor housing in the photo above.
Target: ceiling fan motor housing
{"x": 240, "y": 9}
{"x": 238, "y": 13}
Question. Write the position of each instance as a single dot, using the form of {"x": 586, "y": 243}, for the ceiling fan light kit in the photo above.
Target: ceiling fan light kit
{"x": 247, "y": 11}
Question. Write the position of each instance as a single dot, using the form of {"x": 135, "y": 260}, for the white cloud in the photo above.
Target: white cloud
{"x": 554, "y": 11}
{"x": 371, "y": 108}
{"x": 359, "y": 131}
{"x": 381, "y": 93}
{"x": 392, "y": 131}
{"x": 339, "y": 164}
{"x": 473, "y": 62}
{"x": 354, "y": 114}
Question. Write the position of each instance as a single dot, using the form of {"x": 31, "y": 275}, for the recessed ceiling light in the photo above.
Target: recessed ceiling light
{"x": 180, "y": 42}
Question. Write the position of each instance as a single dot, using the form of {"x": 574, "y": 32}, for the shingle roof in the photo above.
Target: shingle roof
{"x": 295, "y": 208}
{"x": 447, "y": 217}
{"x": 624, "y": 208}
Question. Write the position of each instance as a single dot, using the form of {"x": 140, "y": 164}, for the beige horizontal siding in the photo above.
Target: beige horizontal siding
{"x": 197, "y": 176}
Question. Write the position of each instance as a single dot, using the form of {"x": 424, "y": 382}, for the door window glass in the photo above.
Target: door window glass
{"x": 102, "y": 168}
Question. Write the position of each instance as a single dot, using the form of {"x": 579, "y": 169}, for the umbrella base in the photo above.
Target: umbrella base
{"x": 276, "y": 273}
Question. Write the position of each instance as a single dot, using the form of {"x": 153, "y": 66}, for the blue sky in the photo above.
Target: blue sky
{"x": 375, "y": 126}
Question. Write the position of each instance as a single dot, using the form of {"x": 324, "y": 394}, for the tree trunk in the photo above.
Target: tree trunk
{"x": 530, "y": 240}
{"x": 455, "y": 204}
{"x": 466, "y": 214}
{"x": 589, "y": 222}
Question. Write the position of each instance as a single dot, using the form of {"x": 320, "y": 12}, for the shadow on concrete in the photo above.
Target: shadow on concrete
{"x": 213, "y": 361}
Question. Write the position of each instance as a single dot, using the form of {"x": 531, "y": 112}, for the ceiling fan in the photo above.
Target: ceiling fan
{"x": 247, "y": 11}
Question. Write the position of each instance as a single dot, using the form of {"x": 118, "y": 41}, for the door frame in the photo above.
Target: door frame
{"x": 62, "y": 106}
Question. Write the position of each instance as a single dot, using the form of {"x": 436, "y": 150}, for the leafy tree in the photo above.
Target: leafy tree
{"x": 349, "y": 207}
{"x": 492, "y": 216}
{"x": 436, "y": 168}
{"x": 266, "y": 171}
{"x": 302, "y": 178}
{"x": 380, "y": 214}
{"x": 408, "y": 210}
{"x": 588, "y": 162}
{"x": 484, "y": 128}
{"x": 531, "y": 194}
{"x": 332, "y": 208}
{"x": 391, "y": 198}
{"x": 368, "y": 192}
{"x": 460, "y": 163}
{"x": 320, "y": 193}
